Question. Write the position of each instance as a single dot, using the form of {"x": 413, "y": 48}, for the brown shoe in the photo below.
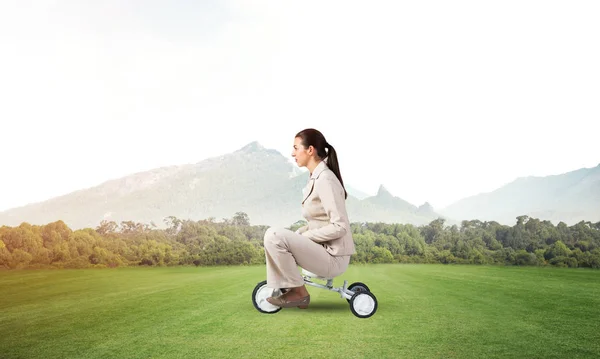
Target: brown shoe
{"x": 282, "y": 302}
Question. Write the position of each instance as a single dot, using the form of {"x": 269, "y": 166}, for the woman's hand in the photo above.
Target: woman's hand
{"x": 301, "y": 229}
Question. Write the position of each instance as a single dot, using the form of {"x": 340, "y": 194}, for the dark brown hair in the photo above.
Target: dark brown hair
{"x": 312, "y": 137}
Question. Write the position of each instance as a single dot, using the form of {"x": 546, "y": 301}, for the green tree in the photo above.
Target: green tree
{"x": 241, "y": 219}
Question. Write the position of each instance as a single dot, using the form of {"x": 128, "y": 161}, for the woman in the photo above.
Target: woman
{"x": 325, "y": 244}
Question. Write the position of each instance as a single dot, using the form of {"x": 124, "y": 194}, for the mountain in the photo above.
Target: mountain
{"x": 355, "y": 192}
{"x": 384, "y": 207}
{"x": 569, "y": 197}
{"x": 256, "y": 180}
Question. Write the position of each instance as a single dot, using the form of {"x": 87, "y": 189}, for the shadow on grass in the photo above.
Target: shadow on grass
{"x": 324, "y": 306}
{"x": 328, "y": 306}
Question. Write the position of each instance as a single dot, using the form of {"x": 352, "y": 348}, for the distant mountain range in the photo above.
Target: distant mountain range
{"x": 268, "y": 187}
{"x": 569, "y": 197}
{"x": 256, "y": 180}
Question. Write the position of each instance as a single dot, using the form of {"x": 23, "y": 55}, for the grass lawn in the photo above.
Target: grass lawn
{"x": 425, "y": 311}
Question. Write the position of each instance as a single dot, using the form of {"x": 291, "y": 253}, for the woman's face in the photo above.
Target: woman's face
{"x": 300, "y": 153}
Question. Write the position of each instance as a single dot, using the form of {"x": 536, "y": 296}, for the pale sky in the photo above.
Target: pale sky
{"x": 479, "y": 92}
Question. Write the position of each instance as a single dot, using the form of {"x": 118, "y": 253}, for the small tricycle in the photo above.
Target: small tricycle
{"x": 363, "y": 303}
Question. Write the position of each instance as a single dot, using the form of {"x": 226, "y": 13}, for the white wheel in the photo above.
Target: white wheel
{"x": 259, "y": 298}
{"x": 358, "y": 287}
{"x": 363, "y": 304}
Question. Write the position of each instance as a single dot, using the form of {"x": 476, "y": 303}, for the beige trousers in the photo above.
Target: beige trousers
{"x": 286, "y": 250}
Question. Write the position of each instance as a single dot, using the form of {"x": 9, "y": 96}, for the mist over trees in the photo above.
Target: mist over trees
{"x": 234, "y": 241}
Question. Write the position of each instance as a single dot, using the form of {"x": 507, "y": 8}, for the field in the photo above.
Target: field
{"x": 425, "y": 311}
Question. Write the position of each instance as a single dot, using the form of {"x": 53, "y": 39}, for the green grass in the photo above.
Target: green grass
{"x": 425, "y": 311}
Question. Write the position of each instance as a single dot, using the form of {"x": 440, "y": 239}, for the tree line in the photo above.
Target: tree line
{"x": 234, "y": 241}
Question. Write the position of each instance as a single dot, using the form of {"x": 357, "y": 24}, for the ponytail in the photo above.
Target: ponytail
{"x": 332, "y": 163}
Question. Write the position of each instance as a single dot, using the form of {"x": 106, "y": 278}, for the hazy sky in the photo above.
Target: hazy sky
{"x": 479, "y": 92}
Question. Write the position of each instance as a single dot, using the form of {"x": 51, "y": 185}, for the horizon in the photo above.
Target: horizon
{"x": 98, "y": 91}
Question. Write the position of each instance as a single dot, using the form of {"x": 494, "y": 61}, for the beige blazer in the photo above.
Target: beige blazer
{"x": 324, "y": 208}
